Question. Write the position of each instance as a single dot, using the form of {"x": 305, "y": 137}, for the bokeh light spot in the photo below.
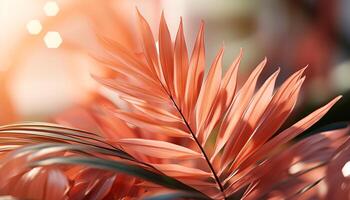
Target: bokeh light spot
{"x": 34, "y": 27}
{"x": 51, "y": 8}
{"x": 52, "y": 40}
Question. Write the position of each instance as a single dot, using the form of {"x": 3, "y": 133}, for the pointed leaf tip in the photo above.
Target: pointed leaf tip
{"x": 265, "y": 60}
{"x": 337, "y": 98}
{"x": 137, "y": 11}
{"x": 278, "y": 69}
{"x": 162, "y": 17}
{"x": 302, "y": 70}
{"x": 276, "y": 73}
{"x": 140, "y": 16}
{"x": 201, "y": 27}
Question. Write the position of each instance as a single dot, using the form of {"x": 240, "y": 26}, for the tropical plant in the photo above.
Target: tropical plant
{"x": 179, "y": 134}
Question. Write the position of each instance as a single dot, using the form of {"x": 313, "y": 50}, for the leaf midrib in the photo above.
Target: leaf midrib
{"x": 200, "y": 147}
{"x": 217, "y": 180}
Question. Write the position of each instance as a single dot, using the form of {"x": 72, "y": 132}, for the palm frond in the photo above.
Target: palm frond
{"x": 34, "y": 132}
{"x": 37, "y": 157}
{"x": 194, "y": 136}
{"x": 180, "y": 109}
{"x": 302, "y": 170}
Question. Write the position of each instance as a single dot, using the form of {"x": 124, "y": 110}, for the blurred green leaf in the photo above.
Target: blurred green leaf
{"x": 175, "y": 195}
{"x": 133, "y": 170}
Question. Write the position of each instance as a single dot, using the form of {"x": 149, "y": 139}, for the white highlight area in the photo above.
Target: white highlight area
{"x": 53, "y": 39}
{"x": 34, "y": 27}
{"x": 346, "y": 169}
{"x": 51, "y": 8}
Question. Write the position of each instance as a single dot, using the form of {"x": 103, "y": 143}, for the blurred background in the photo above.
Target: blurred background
{"x": 45, "y": 46}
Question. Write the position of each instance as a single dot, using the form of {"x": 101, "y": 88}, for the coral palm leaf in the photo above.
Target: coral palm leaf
{"x": 199, "y": 137}
{"x": 41, "y": 167}
{"x": 246, "y": 119}
{"x": 303, "y": 168}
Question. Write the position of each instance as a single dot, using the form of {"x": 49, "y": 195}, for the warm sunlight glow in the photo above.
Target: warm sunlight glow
{"x": 52, "y": 40}
{"x": 51, "y": 8}
{"x": 132, "y": 99}
{"x": 346, "y": 169}
{"x": 34, "y": 27}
